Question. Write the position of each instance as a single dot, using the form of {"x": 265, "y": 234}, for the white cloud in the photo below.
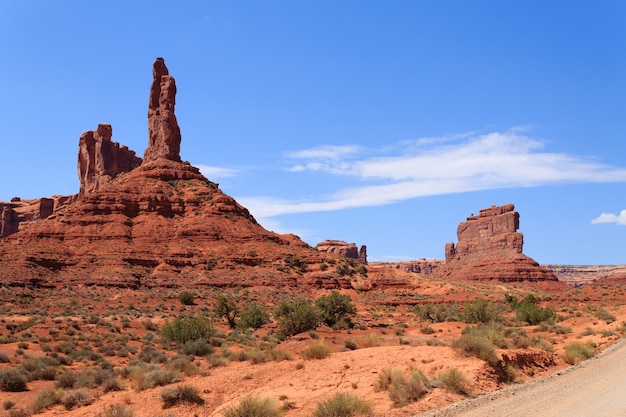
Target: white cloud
{"x": 611, "y": 218}
{"x": 215, "y": 173}
{"x": 454, "y": 164}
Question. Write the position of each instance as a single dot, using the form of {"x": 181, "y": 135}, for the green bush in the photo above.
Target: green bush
{"x": 335, "y": 308}
{"x": 254, "y": 407}
{"x": 186, "y": 298}
{"x": 342, "y": 405}
{"x": 481, "y": 311}
{"x": 226, "y": 307}
{"x": 296, "y": 316}
{"x": 12, "y": 380}
{"x": 602, "y": 314}
{"x": 436, "y": 313}
{"x": 172, "y": 396}
{"x": 530, "y": 312}
{"x": 253, "y": 317}
{"x": 185, "y": 328}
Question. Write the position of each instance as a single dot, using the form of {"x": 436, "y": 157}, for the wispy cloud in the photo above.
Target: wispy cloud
{"x": 611, "y": 218}
{"x": 424, "y": 167}
{"x": 216, "y": 173}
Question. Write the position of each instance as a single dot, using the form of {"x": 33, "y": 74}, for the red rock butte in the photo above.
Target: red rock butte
{"x": 151, "y": 222}
{"x": 490, "y": 248}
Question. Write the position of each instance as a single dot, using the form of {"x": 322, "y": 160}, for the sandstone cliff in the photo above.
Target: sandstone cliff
{"x": 490, "y": 248}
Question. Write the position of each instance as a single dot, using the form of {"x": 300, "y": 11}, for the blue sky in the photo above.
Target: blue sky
{"x": 380, "y": 123}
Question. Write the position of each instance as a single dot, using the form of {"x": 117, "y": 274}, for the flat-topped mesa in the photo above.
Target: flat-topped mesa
{"x": 163, "y": 131}
{"x": 346, "y": 250}
{"x": 490, "y": 248}
{"x": 100, "y": 159}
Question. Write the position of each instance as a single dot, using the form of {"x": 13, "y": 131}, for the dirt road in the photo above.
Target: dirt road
{"x": 594, "y": 388}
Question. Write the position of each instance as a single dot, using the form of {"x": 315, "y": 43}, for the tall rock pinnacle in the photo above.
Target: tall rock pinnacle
{"x": 163, "y": 131}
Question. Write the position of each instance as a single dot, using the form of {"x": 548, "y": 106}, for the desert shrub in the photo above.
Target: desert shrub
{"x": 186, "y": 298}
{"x": 316, "y": 351}
{"x": 436, "y": 313}
{"x": 47, "y": 398}
{"x": 553, "y": 328}
{"x": 226, "y": 307}
{"x": 342, "y": 405}
{"x": 518, "y": 337}
{"x": 455, "y": 381}
{"x": 149, "y": 354}
{"x": 385, "y": 377}
{"x": 335, "y": 308}
{"x": 576, "y": 352}
{"x": 117, "y": 410}
{"x": 13, "y": 380}
{"x": 8, "y": 404}
{"x": 602, "y": 314}
{"x": 183, "y": 364}
{"x": 253, "y": 317}
{"x": 351, "y": 344}
{"x": 67, "y": 380}
{"x": 185, "y": 328}
{"x": 197, "y": 347}
{"x": 18, "y": 412}
{"x": 474, "y": 341}
{"x": 172, "y": 396}
{"x": 77, "y": 398}
{"x": 156, "y": 378}
{"x": 403, "y": 390}
{"x": 368, "y": 340}
{"x": 254, "y": 407}
{"x": 261, "y": 356}
{"x": 529, "y": 311}
{"x": 481, "y": 311}
{"x": 296, "y": 316}
{"x": 4, "y": 358}
{"x": 112, "y": 383}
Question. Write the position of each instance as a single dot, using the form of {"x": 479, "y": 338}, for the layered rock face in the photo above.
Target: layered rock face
{"x": 490, "y": 248}
{"x": 343, "y": 249}
{"x": 19, "y": 213}
{"x": 163, "y": 131}
{"x": 160, "y": 224}
{"x": 100, "y": 159}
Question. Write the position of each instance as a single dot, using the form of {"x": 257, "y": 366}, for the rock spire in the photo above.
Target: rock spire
{"x": 163, "y": 131}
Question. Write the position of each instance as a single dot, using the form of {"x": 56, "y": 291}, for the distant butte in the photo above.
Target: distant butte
{"x": 490, "y": 248}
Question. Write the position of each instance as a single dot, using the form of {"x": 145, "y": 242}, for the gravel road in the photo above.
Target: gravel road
{"x": 593, "y": 388}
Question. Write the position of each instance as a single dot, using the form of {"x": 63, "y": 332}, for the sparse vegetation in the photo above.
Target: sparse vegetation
{"x": 254, "y": 407}
{"x": 172, "y": 396}
{"x": 187, "y": 328}
{"x": 576, "y": 352}
{"x": 342, "y": 405}
{"x": 316, "y": 351}
{"x": 296, "y": 316}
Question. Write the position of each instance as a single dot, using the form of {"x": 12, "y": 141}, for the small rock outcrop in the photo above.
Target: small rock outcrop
{"x": 163, "y": 131}
{"x": 490, "y": 248}
{"x": 16, "y": 214}
{"x": 343, "y": 249}
{"x": 100, "y": 159}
